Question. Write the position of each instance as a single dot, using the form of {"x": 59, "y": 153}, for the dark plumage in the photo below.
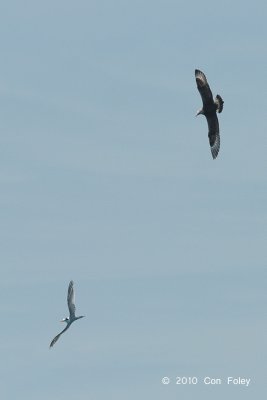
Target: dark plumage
{"x": 209, "y": 109}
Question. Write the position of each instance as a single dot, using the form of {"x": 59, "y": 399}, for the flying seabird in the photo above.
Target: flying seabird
{"x": 69, "y": 320}
{"x": 210, "y": 106}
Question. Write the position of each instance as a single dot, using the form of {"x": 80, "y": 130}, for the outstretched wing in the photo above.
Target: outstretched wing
{"x": 214, "y": 134}
{"x": 71, "y": 300}
{"x": 58, "y": 336}
{"x": 203, "y": 88}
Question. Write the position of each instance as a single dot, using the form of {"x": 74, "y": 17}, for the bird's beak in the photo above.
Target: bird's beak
{"x": 62, "y": 320}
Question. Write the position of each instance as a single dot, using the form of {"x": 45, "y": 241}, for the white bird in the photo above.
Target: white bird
{"x": 69, "y": 320}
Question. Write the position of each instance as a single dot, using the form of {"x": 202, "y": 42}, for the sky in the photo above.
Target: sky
{"x": 107, "y": 179}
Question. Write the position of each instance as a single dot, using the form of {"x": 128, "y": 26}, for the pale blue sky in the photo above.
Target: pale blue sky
{"x": 107, "y": 179}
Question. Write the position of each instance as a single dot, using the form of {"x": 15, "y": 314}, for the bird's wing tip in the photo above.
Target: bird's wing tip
{"x": 215, "y": 148}
{"x": 198, "y": 72}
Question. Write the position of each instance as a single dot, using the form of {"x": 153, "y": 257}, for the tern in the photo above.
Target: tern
{"x": 69, "y": 320}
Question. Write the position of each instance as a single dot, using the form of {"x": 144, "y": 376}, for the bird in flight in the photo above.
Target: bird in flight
{"x": 69, "y": 320}
{"x": 209, "y": 109}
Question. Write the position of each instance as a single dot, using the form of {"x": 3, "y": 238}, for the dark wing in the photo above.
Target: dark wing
{"x": 203, "y": 88}
{"x": 214, "y": 134}
{"x": 71, "y": 300}
{"x": 58, "y": 336}
{"x": 219, "y": 103}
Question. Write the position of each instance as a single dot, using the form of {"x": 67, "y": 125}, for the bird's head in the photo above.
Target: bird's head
{"x": 65, "y": 320}
{"x": 199, "y": 112}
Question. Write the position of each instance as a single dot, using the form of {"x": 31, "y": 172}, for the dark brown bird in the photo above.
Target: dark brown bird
{"x": 209, "y": 109}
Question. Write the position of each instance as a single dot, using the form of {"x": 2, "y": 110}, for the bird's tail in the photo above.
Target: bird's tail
{"x": 219, "y": 103}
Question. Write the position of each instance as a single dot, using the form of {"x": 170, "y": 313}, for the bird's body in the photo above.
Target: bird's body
{"x": 72, "y": 317}
{"x": 210, "y": 108}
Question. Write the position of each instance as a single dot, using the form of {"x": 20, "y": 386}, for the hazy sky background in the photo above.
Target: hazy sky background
{"x": 107, "y": 179}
